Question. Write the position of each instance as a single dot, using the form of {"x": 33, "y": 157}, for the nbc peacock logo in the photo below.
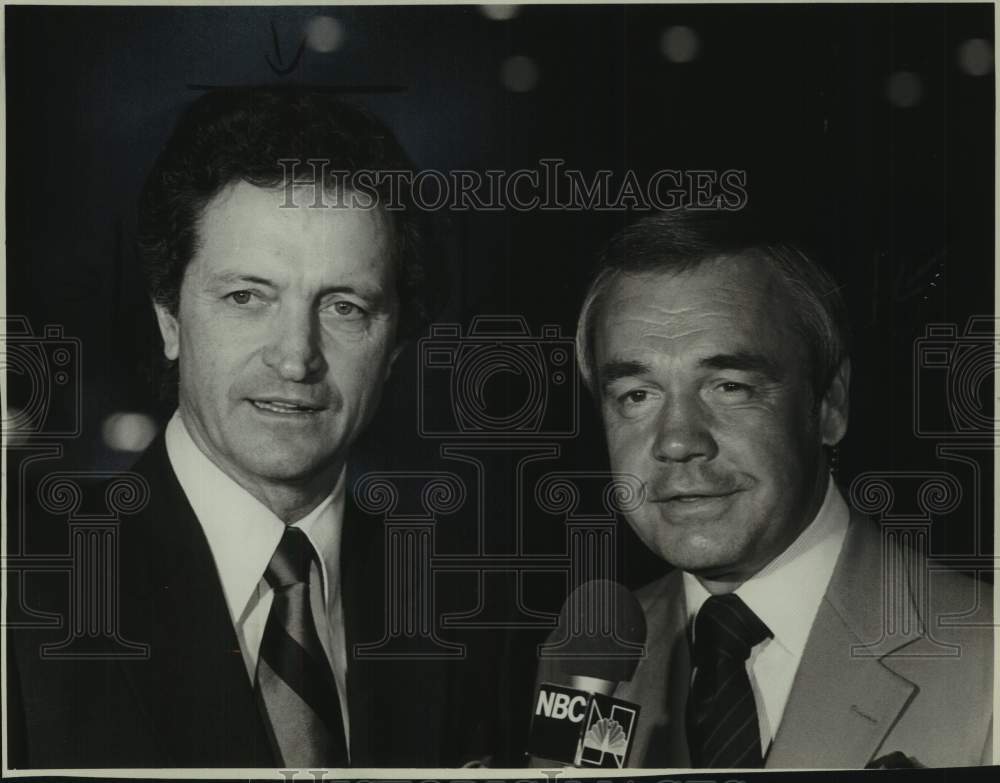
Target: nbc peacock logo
{"x": 606, "y": 736}
{"x": 608, "y": 733}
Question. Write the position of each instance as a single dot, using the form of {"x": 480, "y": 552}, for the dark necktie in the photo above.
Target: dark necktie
{"x": 294, "y": 683}
{"x": 722, "y": 723}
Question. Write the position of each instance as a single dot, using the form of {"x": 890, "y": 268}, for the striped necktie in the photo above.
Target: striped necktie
{"x": 722, "y": 726}
{"x": 294, "y": 684}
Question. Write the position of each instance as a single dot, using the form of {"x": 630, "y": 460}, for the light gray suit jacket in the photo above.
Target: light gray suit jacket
{"x": 899, "y": 658}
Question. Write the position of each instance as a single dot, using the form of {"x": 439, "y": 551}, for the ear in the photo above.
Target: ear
{"x": 169, "y": 330}
{"x": 833, "y": 409}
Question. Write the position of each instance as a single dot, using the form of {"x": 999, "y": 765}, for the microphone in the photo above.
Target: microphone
{"x": 601, "y": 638}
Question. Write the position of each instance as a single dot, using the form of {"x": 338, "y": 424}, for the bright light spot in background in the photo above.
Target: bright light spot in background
{"x": 519, "y": 73}
{"x": 14, "y": 430}
{"x": 324, "y": 34}
{"x": 500, "y": 13}
{"x": 975, "y": 57}
{"x": 128, "y": 431}
{"x": 680, "y": 44}
{"x": 904, "y": 89}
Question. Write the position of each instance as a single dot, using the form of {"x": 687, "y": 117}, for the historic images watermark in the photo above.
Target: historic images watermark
{"x": 47, "y": 365}
{"x": 952, "y": 369}
{"x": 551, "y": 186}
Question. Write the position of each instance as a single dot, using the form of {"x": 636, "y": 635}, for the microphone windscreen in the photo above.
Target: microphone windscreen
{"x": 605, "y": 632}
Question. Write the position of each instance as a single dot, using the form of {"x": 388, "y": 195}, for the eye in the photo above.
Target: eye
{"x": 347, "y": 310}
{"x": 733, "y": 391}
{"x": 634, "y": 397}
{"x": 634, "y": 402}
{"x": 241, "y": 297}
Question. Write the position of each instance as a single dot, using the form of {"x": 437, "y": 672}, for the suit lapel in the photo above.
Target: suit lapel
{"x": 662, "y": 680}
{"x": 846, "y": 695}
{"x": 195, "y": 685}
{"x": 195, "y": 689}
{"x": 396, "y": 706}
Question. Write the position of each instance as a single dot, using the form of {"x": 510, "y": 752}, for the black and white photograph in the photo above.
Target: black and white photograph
{"x": 531, "y": 391}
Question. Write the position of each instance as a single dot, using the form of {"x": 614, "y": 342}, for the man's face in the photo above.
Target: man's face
{"x": 706, "y": 399}
{"x": 285, "y": 333}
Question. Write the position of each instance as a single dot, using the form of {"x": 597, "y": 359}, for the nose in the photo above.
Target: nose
{"x": 293, "y": 350}
{"x": 683, "y": 431}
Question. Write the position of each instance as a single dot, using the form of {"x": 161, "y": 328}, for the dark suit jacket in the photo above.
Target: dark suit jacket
{"x": 924, "y": 689}
{"x": 190, "y": 703}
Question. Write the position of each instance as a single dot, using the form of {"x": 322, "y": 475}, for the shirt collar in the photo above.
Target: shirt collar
{"x": 787, "y": 592}
{"x": 322, "y": 527}
{"x": 242, "y": 532}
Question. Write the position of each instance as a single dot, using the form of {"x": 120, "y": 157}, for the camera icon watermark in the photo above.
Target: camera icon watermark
{"x": 44, "y": 396}
{"x": 497, "y": 380}
{"x": 953, "y": 380}
{"x": 89, "y": 567}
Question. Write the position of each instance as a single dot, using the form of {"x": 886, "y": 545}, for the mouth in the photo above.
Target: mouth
{"x": 286, "y": 407}
{"x": 692, "y": 498}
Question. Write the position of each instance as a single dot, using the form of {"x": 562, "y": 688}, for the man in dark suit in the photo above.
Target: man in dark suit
{"x": 283, "y": 294}
{"x": 790, "y": 634}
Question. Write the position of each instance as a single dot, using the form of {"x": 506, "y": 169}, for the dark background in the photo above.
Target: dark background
{"x": 897, "y": 199}
{"x": 896, "y": 195}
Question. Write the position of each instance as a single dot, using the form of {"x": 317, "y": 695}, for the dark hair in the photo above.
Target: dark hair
{"x": 673, "y": 242}
{"x": 257, "y": 135}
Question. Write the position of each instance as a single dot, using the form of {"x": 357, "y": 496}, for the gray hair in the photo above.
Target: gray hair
{"x": 673, "y": 242}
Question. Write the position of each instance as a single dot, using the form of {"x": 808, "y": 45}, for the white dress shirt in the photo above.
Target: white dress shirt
{"x": 243, "y": 535}
{"x": 785, "y": 595}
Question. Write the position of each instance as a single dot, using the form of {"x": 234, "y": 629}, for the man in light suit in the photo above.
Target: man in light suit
{"x": 790, "y": 633}
{"x": 283, "y": 297}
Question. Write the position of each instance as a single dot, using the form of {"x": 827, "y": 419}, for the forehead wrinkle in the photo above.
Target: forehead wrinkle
{"x": 675, "y": 324}
{"x": 732, "y": 306}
